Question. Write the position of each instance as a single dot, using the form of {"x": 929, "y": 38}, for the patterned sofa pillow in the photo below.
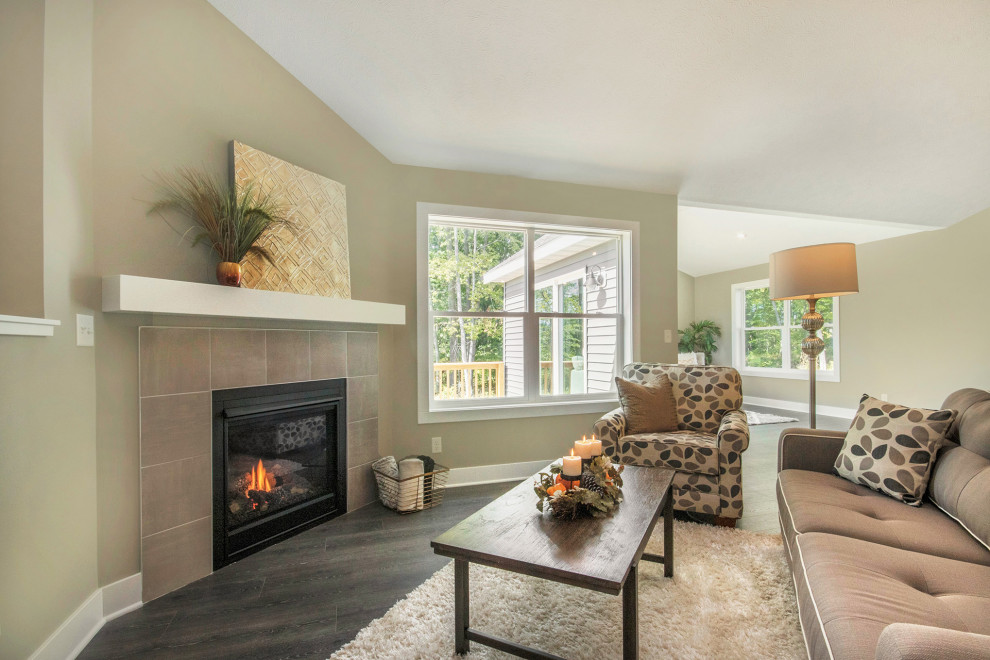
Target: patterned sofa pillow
{"x": 890, "y": 448}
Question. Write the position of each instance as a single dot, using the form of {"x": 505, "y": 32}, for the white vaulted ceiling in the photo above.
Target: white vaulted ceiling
{"x": 712, "y": 240}
{"x": 864, "y": 109}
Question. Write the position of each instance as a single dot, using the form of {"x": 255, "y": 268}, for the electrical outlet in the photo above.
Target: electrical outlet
{"x": 85, "y": 332}
{"x": 668, "y": 336}
{"x": 883, "y": 397}
{"x": 437, "y": 445}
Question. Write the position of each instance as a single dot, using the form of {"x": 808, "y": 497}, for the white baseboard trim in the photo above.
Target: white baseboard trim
{"x": 104, "y": 604}
{"x": 121, "y": 597}
{"x": 493, "y": 474}
{"x": 800, "y": 406}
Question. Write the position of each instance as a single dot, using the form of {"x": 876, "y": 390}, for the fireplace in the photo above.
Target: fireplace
{"x": 279, "y": 463}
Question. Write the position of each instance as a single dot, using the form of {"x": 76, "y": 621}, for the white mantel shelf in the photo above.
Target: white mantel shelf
{"x": 25, "y": 326}
{"x": 147, "y": 295}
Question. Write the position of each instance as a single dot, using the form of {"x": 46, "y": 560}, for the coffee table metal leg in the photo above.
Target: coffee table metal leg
{"x": 668, "y": 536}
{"x": 462, "y": 606}
{"x": 630, "y": 615}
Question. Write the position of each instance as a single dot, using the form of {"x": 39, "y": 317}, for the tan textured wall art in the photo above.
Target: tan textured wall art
{"x": 315, "y": 260}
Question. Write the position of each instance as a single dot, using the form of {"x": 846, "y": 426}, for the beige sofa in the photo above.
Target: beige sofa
{"x": 876, "y": 578}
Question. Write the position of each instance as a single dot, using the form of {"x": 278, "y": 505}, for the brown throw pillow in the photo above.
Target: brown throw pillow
{"x": 890, "y": 448}
{"x": 648, "y": 408}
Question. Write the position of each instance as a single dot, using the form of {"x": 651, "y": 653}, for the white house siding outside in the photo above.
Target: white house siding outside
{"x": 600, "y": 335}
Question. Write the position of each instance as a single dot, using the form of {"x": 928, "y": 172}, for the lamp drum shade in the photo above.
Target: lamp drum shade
{"x": 814, "y": 271}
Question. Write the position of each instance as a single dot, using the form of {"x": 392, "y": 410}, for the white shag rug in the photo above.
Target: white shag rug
{"x": 755, "y": 418}
{"x": 730, "y": 597}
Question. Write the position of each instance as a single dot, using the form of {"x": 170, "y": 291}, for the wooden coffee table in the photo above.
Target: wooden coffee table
{"x": 601, "y": 554}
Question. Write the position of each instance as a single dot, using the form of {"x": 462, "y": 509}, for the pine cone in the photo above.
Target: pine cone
{"x": 589, "y": 482}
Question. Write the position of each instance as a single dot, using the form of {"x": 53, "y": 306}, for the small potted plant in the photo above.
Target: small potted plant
{"x": 700, "y": 337}
{"x": 230, "y": 220}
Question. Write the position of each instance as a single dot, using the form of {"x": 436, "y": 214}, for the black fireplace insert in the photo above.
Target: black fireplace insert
{"x": 279, "y": 463}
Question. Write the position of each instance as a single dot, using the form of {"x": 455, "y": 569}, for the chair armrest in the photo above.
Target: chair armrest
{"x": 809, "y": 449}
{"x": 610, "y": 427}
{"x": 906, "y": 641}
{"x": 733, "y": 432}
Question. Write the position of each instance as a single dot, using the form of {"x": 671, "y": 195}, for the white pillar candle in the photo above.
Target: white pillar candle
{"x": 596, "y": 447}
{"x": 572, "y": 466}
{"x": 583, "y": 448}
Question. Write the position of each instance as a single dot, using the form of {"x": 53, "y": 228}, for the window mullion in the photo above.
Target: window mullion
{"x": 531, "y": 325}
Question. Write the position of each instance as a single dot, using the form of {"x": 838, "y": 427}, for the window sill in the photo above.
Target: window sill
{"x": 791, "y": 374}
{"x": 481, "y": 413}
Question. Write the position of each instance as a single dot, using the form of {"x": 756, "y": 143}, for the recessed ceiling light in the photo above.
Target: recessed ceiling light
{"x": 740, "y": 236}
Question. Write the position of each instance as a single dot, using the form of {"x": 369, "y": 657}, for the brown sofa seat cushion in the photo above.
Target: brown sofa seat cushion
{"x": 854, "y": 589}
{"x": 816, "y": 502}
{"x": 685, "y": 451}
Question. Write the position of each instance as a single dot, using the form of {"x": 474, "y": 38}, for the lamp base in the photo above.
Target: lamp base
{"x": 812, "y": 346}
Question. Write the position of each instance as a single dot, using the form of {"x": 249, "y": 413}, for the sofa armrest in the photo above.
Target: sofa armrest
{"x": 809, "y": 449}
{"x": 906, "y": 641}
{"x": 610, "y": 427}
{"x": 733, "y": 432}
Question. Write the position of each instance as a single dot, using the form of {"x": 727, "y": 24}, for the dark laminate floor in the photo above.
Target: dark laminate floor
{"x": 302, "y": 598}
{"x": 760, "y": 468}
{"x": 311, "y": 594}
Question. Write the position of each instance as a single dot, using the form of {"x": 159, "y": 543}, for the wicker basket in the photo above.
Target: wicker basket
{"x": 415, "y": 493}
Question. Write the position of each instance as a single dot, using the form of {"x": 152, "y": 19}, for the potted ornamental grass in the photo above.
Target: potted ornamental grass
{"x": 230, "y": 219}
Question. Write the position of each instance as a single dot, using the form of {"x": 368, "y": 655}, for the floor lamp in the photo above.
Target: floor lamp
{"x": 811, "y": 273}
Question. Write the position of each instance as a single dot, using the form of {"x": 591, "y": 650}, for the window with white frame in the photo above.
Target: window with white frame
{"x": 767, "y": 334}
{"x": 520, "y": 310}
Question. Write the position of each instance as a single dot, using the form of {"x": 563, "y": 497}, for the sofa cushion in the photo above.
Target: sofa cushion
{"x": 649, "y": 408}
{"x": 960, "y": 482}
{"x": 815, "y": 502}
{"x": 850, "y": 590}
{"x": 686, "y": 451}
{"x": 890, "y": 448}
{"x": 703, "y": 394}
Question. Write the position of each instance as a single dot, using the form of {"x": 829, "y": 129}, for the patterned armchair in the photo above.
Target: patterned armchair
{"x": 706, "y": 450}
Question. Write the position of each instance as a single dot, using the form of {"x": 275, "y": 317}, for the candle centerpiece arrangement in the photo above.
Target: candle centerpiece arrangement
{"x": 585, "y": 483}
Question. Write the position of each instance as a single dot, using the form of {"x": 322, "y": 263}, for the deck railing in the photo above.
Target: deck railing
{"x": 546, "y": 375}
{"x": 473, "y": 380}
{"x": 468, "y": 380}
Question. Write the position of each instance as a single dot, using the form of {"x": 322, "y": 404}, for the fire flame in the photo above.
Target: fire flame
{"x": 260, "y": 480}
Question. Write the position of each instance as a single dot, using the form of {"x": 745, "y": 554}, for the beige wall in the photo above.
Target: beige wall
{"x": 47, "y": 403}
{"x": 508, "y": 441}
{"x": 161, "y": 102}
{"x": 713, "y": 302}
{"x": 158, "y": 102}
{"x": 21, "y": 81}
{"x": 685, "y": 299}
{"x": 913, "y": 331}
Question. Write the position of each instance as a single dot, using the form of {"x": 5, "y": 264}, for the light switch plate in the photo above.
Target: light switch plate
{"x": 437, "y": 445}
{"x": 85, "y": 332}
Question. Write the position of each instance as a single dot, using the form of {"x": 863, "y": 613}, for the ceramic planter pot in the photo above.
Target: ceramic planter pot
{"x": 229, "y": 273}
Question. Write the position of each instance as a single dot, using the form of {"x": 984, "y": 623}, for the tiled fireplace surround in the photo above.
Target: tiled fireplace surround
{"x": 179, "y": 369}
